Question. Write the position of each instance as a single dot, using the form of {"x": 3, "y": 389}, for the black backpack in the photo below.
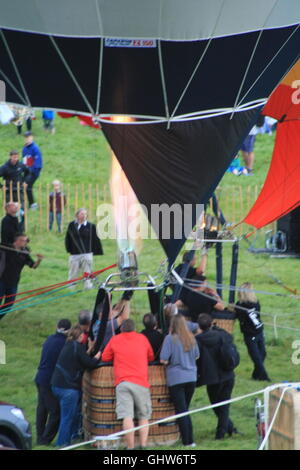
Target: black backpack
{"x": 229, "y": 357}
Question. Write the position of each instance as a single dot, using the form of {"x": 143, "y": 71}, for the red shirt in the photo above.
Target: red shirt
{"x": 130, "y": 353}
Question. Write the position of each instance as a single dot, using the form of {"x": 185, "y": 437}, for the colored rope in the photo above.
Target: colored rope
{"x": 19, "y": 307}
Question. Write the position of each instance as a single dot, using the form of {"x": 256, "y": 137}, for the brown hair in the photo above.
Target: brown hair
{"x": 179, "y": 329}
{"x": 74, "y": 333}
{"x": 204, "y": 321}
{"x": 247, "y": 294}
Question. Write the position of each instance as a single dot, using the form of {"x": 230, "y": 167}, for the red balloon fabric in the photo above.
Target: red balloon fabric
{"x": 281, "y": 191}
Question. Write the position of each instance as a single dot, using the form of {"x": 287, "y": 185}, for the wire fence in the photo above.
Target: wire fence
{"x": 234, "y": 204}
{"x": 72, "y": 197}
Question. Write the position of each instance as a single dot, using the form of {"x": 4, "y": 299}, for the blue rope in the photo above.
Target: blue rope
{"x": 18, "y": 307}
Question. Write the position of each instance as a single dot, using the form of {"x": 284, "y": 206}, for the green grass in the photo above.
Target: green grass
{"x": 76, "y": 155}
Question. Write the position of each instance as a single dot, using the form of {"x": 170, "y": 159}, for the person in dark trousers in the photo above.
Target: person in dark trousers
{"x": 66, "y": 383}
{"x": 32, "y": 158}
{"x": 47, "y": 412}
{"x": 12, "y": 260}
{"x": 247, "y": 310}
{"x": 10, "y": 225}
{"x": 82, "y": 243}
{"x": 219, "y": 383}
{"x": 48, "y": 118}
{"x": 15, "y": 174}
{"x": 179, "y": 353}
{"x": 154, "y": 336}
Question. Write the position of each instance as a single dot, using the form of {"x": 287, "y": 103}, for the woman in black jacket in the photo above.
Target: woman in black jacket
{"x": 248, "y": 313}
{"x": 66, "y": 383}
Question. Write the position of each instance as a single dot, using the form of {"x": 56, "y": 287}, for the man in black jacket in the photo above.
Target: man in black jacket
{"x": 82, "y": 243}
{"x": 47, "y": 413}
{"x": 10, "y": 225}
{"x": 12, "y": 261}
{"x": 219, "y": 383}
{"x": 14, "y": 172}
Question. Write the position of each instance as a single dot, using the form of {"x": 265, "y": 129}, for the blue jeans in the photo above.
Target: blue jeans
{"x": 7, "y": 291}
{"x": 257, "y": 352}
{"x": 58, "y": 220}
{"x": 69, "y": 402}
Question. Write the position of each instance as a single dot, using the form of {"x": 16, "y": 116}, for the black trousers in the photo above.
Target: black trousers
{"x": 47, "y": 415}
{"x": 181, "y": 395}
{"x": 28, "y": 126}
{"x": 221, "y": 392}
{"x": 257, "y": 352}
{"x": 30, "y": 182}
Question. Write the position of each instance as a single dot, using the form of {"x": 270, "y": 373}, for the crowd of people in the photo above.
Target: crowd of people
{"x": 187, "y": 343}
{"x": 81, "y": 242}
{"x": 191, "y": 348}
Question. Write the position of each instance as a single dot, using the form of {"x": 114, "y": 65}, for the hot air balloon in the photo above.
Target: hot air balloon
{"x": 192, "y": 75}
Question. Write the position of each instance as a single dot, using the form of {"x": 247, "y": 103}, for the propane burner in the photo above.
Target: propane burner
{"x": 128, "y": 268}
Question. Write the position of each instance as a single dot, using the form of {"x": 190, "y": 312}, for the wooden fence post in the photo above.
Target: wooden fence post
{"x": 40, "y": 206}
{"x": 25, "y": 207}
{"x": 90, "y": 200}
{"x": 68, "y": 201}
{"x": 76, "y": 197}
{"x": 62, "y": 203}
{"x": 47, "y": 206}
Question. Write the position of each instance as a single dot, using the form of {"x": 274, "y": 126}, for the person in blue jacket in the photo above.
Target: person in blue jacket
{"x": 47, "y": 412}
{"x": 32, "y": 158}
{"x": 48, "y": 118}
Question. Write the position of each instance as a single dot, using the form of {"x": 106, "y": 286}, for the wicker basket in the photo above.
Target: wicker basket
{"x": 99, "y": 403}
{"x": 225, "y": 320}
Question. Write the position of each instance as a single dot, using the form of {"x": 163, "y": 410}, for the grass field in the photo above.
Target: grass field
{"x": 77, "y": 154}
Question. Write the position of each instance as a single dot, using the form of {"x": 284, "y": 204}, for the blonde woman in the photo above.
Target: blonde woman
{"x": 248, "y": 312}
{"x": 179, "y": 353}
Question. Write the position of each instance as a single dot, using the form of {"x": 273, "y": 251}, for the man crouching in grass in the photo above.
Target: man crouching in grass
{"x": 130, "y": 353}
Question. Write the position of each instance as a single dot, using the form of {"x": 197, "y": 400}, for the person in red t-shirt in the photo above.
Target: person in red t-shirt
{"x": 130, "y": 353}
